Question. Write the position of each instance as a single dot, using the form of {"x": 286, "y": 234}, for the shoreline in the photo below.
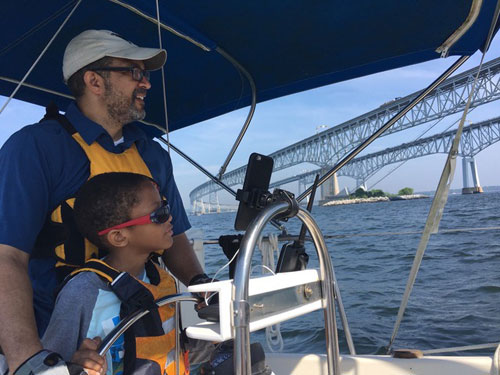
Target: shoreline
{"x": 337, "y": 202}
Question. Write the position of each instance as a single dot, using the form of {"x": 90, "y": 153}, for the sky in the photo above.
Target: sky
{"x": 281, "y": 122}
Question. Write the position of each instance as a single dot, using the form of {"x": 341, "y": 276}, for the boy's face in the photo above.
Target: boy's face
{"x": 149, "y": 237}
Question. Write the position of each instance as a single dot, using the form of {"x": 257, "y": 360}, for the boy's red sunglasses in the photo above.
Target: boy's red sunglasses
{"x": 158, "y": 216}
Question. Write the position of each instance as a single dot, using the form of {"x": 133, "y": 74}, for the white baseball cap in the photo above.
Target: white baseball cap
{"x": 92, "y": 45}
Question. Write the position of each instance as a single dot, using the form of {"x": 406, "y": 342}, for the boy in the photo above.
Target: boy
{"x": 124, "y": 214}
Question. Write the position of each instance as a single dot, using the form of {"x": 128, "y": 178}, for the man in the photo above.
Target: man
{"x": 43, "y": 165}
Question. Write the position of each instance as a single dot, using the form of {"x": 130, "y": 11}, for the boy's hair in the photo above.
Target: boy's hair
{"x": 105, "y": 201}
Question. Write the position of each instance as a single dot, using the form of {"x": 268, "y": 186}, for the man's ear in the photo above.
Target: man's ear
{"x": 118, "y": 237}
{"x": 93, "y": 82}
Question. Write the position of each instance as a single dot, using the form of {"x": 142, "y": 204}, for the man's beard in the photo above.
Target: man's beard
{"x": 123, "y": 109}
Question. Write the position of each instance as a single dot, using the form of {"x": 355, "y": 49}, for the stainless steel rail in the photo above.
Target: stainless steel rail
{"x": 218, "y": 181}
{"x": 386, "y": 126}
{"x": 241, "y": 308}
{"x": 251, "y": 111}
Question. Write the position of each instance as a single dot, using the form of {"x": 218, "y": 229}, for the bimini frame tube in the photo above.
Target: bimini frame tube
{"x": 209, "y": 175}
{"x": 206, "y": 45}
{"x": 241, "y": 307}
{"x": 251, "y": 111}
{"x": 386, "y": 126}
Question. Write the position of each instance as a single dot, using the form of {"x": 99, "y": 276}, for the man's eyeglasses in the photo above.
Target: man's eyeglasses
{"x": 158, "y": 216}
{"x": 137, "y": 73}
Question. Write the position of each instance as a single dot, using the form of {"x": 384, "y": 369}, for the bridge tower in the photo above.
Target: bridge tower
{"x": 213, "y": 200}
{"x": 476, "y": 188}
{"x": 361, "y": 183}
{"x": 330, "y": 187}
{"x": 198, "y": 207}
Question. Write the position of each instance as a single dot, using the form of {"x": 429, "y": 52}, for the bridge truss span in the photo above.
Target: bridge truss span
{"x": 326, "y": 148}
{"x": 475, "y": 138}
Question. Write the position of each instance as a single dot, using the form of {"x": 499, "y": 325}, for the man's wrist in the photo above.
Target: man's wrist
{"x": 201, "y": 278}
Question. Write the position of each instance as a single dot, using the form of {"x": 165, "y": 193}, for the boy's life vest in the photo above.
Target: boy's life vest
{"x": 59, "y": 236}
{"x": 149, "y": 342}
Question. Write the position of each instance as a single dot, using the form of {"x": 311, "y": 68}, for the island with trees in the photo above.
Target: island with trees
{"x": 371, "y": 196}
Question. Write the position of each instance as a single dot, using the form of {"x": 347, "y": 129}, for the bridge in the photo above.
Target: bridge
{"x": 475, "y": 138}
{"x": 326, "y": 148}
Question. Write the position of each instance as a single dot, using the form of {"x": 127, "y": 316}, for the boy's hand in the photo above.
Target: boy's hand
{"x": 88, "y": 357}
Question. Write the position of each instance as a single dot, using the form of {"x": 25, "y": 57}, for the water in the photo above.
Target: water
{"x": 455, "y": 300}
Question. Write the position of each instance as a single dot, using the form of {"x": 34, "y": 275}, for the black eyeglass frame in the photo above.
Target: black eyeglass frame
{"x": 137, "y": 73}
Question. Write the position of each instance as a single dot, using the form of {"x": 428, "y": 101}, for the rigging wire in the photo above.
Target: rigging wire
{"x": 436, "y": 210}
{"x": 36, "y": 28}
{"x": 416, "y": 139}
{"x": 405, "y": 161}
{"x": 443, "y": 231}
{"x": 39, "y": 57}
{"x": 376, "y": 234}
{"x": 439, "y": 201}
{"x": 163, "y": 77}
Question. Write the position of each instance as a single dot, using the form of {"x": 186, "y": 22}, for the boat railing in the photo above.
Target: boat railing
{"x": 241, "y": 306}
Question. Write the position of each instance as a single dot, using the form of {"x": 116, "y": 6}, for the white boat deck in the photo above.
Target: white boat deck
{"x": 313, "y": 364}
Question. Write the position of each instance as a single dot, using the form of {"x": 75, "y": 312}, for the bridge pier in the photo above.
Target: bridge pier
{"x": 198, "y": 207}
{"x": 467, "y": 189}
{"x": 213, "y": 205}
{"x": 330, "y": 187}
{"x": 361, "y": 183}
{"x": 213, "y": 200}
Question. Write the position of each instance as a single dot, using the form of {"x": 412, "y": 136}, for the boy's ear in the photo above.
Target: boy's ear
{"x": 118, "y": 237}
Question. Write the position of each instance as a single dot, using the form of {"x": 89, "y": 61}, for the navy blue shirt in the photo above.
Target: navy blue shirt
{"x": 41, "y": 165}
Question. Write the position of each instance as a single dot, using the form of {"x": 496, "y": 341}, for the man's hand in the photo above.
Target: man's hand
{"x": 211, "y": 297}
{"x": 88, "y": 357}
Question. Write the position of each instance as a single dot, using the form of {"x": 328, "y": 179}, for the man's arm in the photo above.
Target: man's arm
{"x": 181, "y": 259}
{"x": 18, "y": 334}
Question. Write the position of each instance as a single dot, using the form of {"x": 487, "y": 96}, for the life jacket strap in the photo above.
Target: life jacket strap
{"x": 100, "y": 268}
{"x": 52, "y": 113}
{"x": 127, "y": 288}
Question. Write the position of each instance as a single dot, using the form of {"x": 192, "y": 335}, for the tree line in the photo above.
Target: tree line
{"x": 362, "y": 193}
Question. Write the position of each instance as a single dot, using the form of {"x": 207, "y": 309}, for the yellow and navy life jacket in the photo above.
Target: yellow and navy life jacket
{"x": 149, "y": 342}
{"x": 59, "y": 236}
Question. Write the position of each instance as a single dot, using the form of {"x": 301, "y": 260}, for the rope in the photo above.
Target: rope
{"x": 436, "y": 210}
{"x": 220, "y": 270}
{"x": 268, "y": 246}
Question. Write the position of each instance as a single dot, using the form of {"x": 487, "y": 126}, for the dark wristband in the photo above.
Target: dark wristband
{"x": 201, "y": 278}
